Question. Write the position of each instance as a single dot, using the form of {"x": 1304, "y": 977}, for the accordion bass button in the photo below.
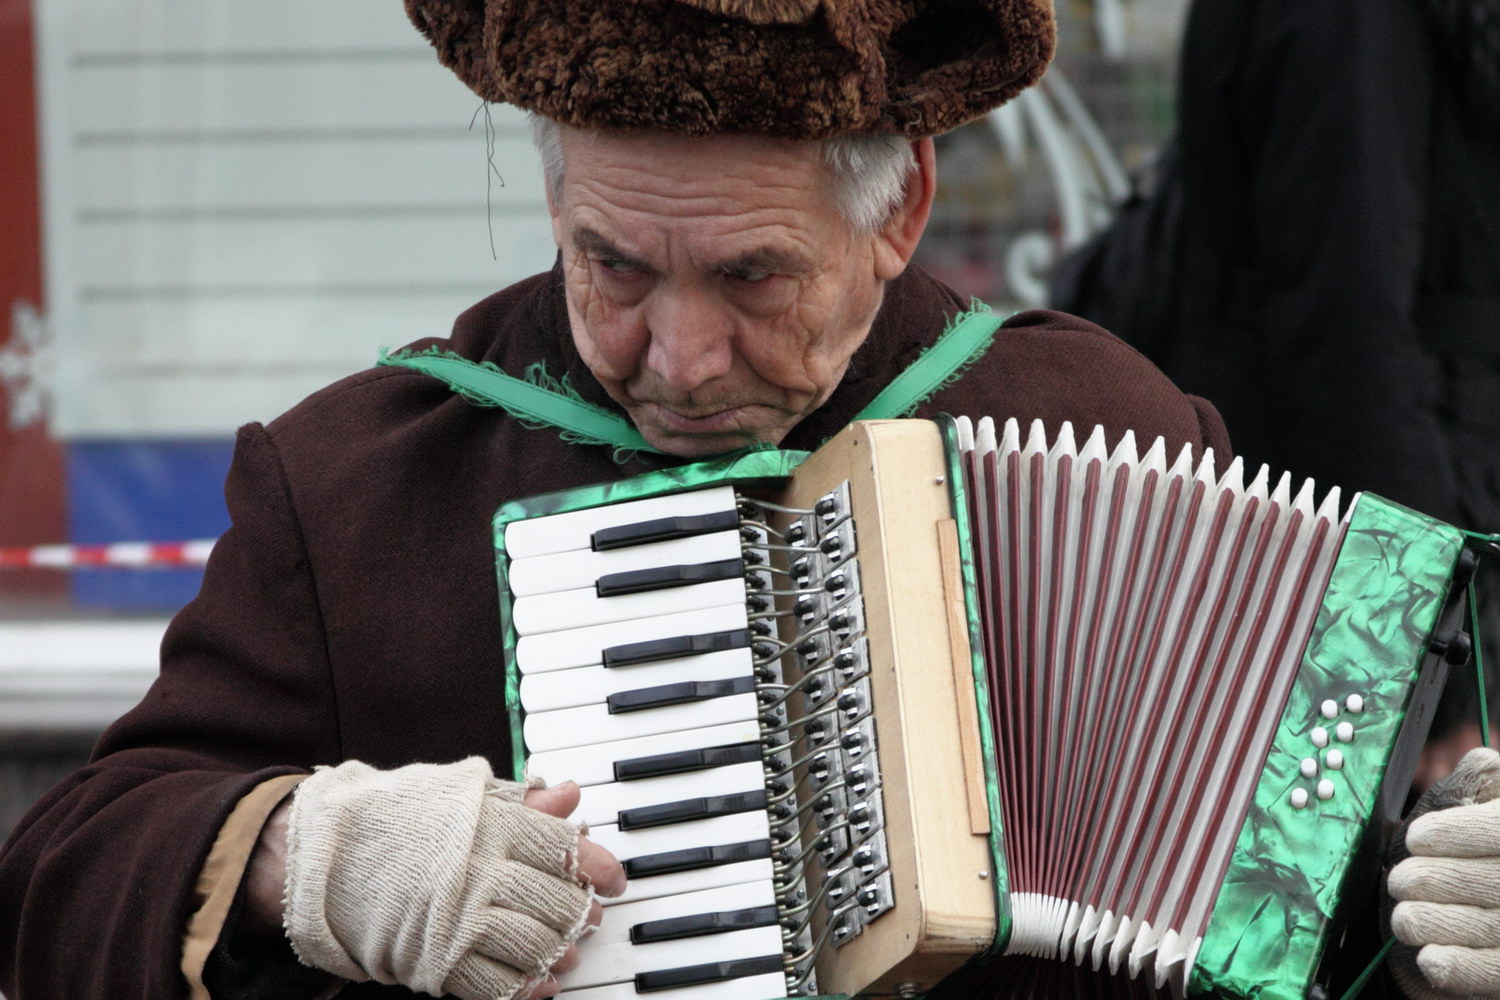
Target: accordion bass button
{"x": 1334, "y": 760}
{"x": 1325, "y": 789}
{"x": 1309, "y": 767}
{"x": 1344, "y": 732}
{"x": 1330, "y": 709}
{"x": 1319, "y": 737}
{"x": 1299, "y": 798}
{"x": 1354, "y": 703}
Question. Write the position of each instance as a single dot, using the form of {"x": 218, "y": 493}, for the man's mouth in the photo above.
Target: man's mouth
{"x": 700, "y": 422}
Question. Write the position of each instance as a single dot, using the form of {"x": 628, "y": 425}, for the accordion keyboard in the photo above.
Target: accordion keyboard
{"x": 651, "y": 638}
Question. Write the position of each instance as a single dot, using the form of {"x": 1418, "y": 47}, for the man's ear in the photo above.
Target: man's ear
{"x": 897, "y": 240}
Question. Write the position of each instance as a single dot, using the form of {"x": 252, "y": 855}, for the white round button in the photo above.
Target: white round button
{"x": 1330, "y": 709}
{"x": 1325, "y": 789}
{"x": 1299, "y": 798}
{"x": 1334, "y": 759}
{"x": 1354, "y": 703}
{"x": 1319, "y": 737}
{"x": 1309, "y": 767}
{"x": 1344, "y": 731}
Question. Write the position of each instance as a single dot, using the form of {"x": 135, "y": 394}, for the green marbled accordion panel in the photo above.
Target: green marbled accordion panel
{"x": 1285, "y": 880}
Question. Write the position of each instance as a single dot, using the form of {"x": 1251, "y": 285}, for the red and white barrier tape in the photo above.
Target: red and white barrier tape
{"x": 120, "y": 555}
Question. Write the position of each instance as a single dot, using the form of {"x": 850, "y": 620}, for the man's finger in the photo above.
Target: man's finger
{"x": 1475, "y": 881}
{"x": 547, "y": 987}
{"x": 1419, "y": 923}
{"x": 559, "y": 800}
{"x": 1464, "y": 831}
{"x": 600, "y": 868}
{"x": 568, "y": 962}
{"x": 1463, "y": 971}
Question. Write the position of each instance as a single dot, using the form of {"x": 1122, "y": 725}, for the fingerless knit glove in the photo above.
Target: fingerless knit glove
{"x": 431, "y": 876}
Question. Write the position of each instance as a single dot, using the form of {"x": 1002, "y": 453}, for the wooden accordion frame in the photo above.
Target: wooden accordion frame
{"x": 1385, "y": 606}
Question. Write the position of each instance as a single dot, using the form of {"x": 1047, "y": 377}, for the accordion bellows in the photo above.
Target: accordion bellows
{"x": 1152, "y": 617}
{"x": 1193, "y": 679}
{"x": 1054, "y": 699}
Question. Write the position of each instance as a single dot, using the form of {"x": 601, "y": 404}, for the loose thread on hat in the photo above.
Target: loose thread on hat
{"x": 491, "y": 171}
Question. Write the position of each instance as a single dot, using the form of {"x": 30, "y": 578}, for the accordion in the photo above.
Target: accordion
{"x": 946, "y": 694}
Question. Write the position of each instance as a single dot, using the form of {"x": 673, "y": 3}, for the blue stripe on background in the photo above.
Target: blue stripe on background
{"x": 144, "y": 491}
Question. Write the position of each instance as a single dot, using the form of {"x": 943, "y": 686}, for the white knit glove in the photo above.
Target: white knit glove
{"x": 431, "y": 876}
{"x": 1450, "y": 887}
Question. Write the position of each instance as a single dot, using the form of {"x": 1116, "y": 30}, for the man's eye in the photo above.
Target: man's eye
{"x": 621, "y": 267}
{"x": 750, "y": 276}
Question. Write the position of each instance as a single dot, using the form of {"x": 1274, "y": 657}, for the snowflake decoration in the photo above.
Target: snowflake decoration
{"x": 26, "y": 366}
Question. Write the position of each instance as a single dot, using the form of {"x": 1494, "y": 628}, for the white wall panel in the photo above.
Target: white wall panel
{"x": 244, "y": 201}
{"x": 148, "y": 259}
{"x": 321, "y": 174}
{"x": 75, "y": 675}
{"x": 323, "y": 330}
{"x": 141, "y": 101}
{"x": 197, "y": 26}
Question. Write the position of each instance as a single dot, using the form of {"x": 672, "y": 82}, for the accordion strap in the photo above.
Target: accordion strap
{"x": 964, "y": 342}
{"x": 483, "y": 383}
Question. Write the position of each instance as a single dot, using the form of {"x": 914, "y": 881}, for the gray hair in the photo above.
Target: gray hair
{"x": 868, "y": 172}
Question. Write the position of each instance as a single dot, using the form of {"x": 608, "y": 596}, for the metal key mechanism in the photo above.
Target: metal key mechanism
{"x": 832, "y": 836}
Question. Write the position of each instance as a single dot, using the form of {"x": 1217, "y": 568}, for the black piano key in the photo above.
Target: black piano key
{"x": 663, "y": 529}
{"x": 691, "y": 859}
{"x": 703, "y": 807}
{"x": 699, "y": 924}
{"x": 711, "y": 972}
{"x": 632, "y": 653}
{"x": 683, "y": 761}
{"x": 638, "y": 581}
{"x": 680, "y": 693}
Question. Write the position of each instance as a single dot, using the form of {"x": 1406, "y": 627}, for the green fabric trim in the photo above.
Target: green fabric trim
{"x": 965, "y": 341}
{"x": 540, "y": 400}
{"x": 537, "y": 400}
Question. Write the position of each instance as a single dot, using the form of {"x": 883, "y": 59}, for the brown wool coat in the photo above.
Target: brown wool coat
{"x": 350, "y": 612}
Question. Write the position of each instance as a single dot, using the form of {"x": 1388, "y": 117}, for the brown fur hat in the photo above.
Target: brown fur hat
{"x": 802, "y": 69}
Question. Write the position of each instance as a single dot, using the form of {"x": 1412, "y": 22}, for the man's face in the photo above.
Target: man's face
{"x": 713, "y": 289}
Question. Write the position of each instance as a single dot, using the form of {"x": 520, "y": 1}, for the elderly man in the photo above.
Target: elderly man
{"x": 304, "y": 803}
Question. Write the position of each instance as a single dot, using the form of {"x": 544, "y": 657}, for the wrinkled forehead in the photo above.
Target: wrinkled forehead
{"x": 689, "y": 159}
{"x": 746, "y": 187}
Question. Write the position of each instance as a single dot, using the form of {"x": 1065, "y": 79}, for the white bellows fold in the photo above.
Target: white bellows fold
{"x": 1144, "y": 619}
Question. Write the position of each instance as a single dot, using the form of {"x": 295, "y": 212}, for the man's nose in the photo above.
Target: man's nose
{"x": 692, "y": 340}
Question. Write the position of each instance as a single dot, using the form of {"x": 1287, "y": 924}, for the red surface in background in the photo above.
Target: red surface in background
{"x": 32, "y": 502}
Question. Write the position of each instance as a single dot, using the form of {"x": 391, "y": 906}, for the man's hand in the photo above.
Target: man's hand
{"x": 596, "y": 866}
{"x": 439, "y": 877}
{"x": 1449, "y": 887}
{"x": 265, "y": 879}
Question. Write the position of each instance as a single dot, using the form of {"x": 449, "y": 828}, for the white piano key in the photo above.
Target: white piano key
{"x": 583, "y": 647}
{"x": 570, "y": 609}
{"x": 573, "y": 530}
{"x": 602, "y": 803}
{"x": 547, "y": 692}
{"x": 581, "y": 567}
{"x": 626, "y": 844}
{"x": 594, "y": 764}
{"x": 592, "y": 724}
{"x": 619, "y": 963}
{"x": 656, "y": 886}
{"x": 768, "y": 987}
{"x": 615, "y": 927}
